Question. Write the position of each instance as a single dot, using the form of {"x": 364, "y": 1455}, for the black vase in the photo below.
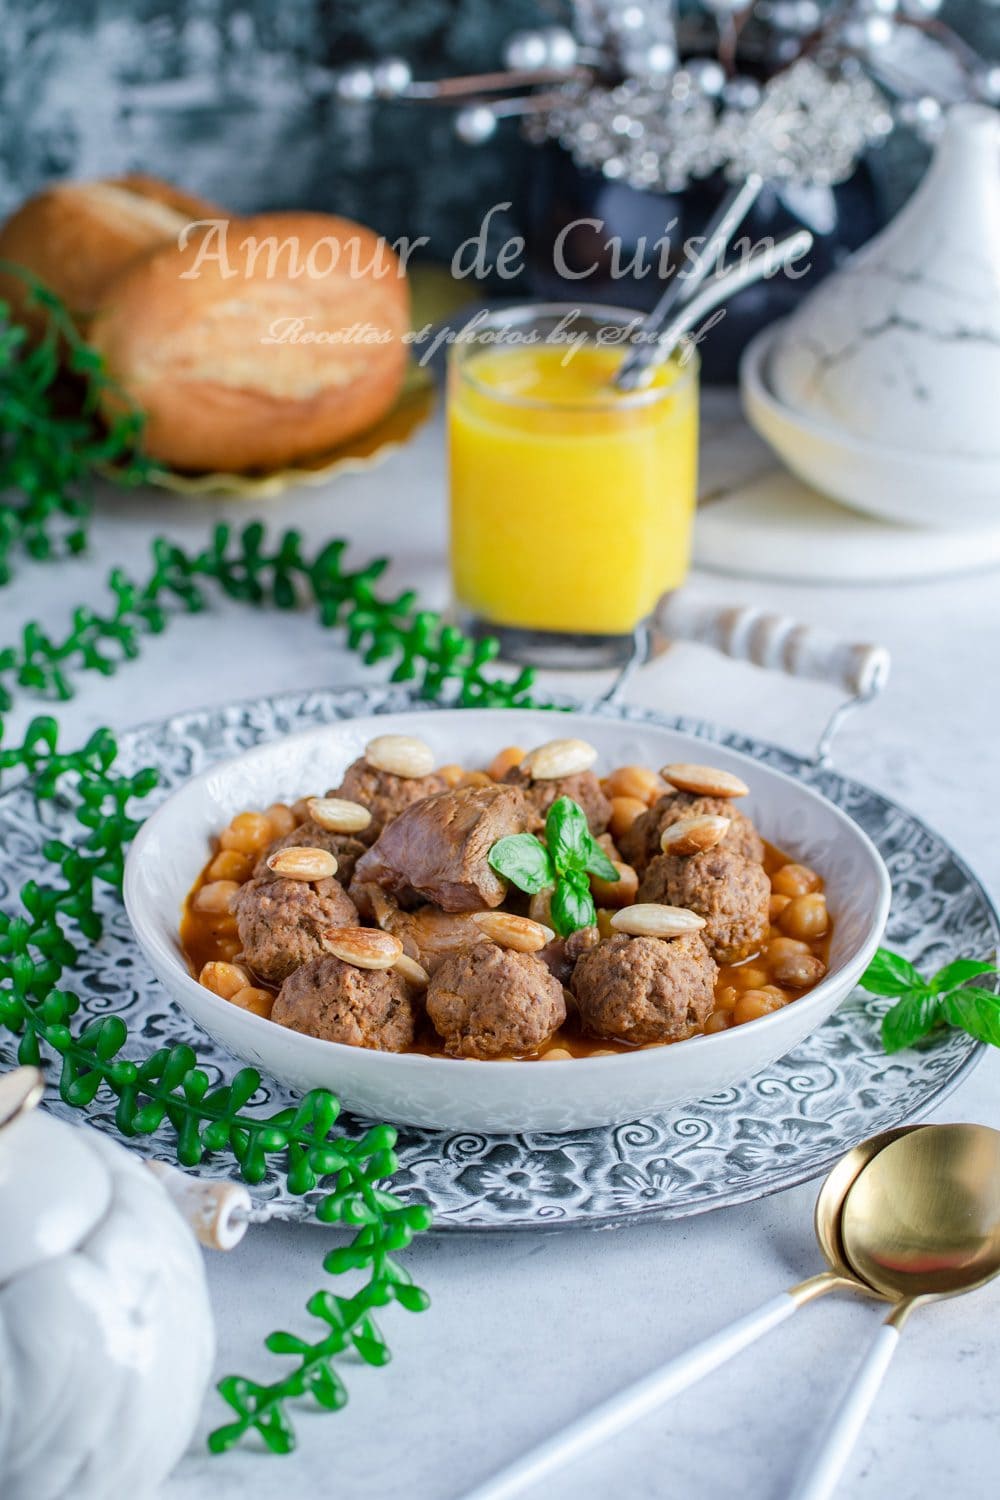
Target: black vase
{"x": 560, "y": 248}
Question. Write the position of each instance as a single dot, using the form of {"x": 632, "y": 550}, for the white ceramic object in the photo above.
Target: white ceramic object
{"x": 907, "y": 485}
{"x": 106, "y": 1337}
{"x": 449, "y": 1094}
{"x": 900, "y": 348}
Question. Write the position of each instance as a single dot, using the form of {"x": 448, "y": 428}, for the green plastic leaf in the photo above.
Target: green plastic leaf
{"x": 572, "y": 904}
{"x": 958, "y": 973}
{"x": 975, "y": 1011}
{"x": 909, "y": 1020}
{"x": 524, "y": 861}
{"x": 890, "y": 974}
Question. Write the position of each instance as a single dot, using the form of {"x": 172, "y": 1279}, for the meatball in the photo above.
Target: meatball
{"x": 562, "y": 954}
{"x": 384, "y": 794}
{"x": 644, "y": 989}
{"x": 344, "y": 847}
{"x": 583, "y": 788}
{"x": 730, "y": 892}
{"x": 641, "y": 842}
{"x": 371, "y": 1008}
{"x": 491, "y": 1002}
{"x": 281, "y": 922}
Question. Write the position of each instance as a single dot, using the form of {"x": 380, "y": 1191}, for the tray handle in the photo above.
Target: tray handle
{"x": 779, "y": 644}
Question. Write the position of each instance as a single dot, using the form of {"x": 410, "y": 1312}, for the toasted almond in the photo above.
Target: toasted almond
{"x": 400, "y": 755}
{"x": 693, "y": 835}
{"x": 649, "y": 919}
{"x": 704, "y": 781}
{"x": 364, "y": 947}
{"x": 299, "y": 862}
{"x": 408, "y": 968}
{"x": 510, "y": 931}
{"x": 337, "y": 815}
{"x": 559, "y": 758}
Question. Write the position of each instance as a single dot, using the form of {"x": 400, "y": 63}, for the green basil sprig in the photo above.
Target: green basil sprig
{"x": 922, "y": 1005}
{"x": 563, "y": 863}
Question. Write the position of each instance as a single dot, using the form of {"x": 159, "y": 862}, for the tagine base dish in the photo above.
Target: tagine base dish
{"x": 783, "y": 1126}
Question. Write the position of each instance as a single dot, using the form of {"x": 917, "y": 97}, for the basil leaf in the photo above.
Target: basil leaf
{"x": 524, "y": 861}
{"x": 907, "y": 1022}
{"x": 977, "y": 1012}
{"x": 572, "y": 904}
{"x": 891, "y": 974}
{"x": 599, "y": 862}
{"x": 567, "y": 834}
{"x": 955, "y": 974}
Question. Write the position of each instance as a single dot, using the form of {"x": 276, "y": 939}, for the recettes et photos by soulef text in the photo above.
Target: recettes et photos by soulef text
{"x": 531, "y": 910}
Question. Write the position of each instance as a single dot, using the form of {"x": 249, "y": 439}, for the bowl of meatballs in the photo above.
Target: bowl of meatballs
{"x": 417, "y": 910}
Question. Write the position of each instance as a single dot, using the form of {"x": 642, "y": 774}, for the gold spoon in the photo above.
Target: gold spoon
{"x": 920, "y": 1222}
{"x": 653, "y": 1390}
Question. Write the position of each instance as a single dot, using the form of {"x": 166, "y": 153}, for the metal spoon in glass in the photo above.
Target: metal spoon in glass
{"x": 646, "y": 1395}
{"x": 920, "y": 1223}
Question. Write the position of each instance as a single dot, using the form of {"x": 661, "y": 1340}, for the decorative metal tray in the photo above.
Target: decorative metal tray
{"x": 781, "y": 1127}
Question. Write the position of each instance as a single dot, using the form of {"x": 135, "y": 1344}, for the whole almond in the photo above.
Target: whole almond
{"x": 415, "y": 974}
{"x": 298, "y": 862}
{"x": 337, "y": 815}
{"x": 704, "y": 781}
{"x": 510, "y": 931}
{"x": 400, "y": 755}
{"x": 649, "y": 919}
{"x": 693, "y": 835}
{"x": 558, "y": 758}
{"x": 363, "y": 947}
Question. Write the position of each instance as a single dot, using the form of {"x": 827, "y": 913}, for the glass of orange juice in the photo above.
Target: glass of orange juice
{"x": 572, "y": 503}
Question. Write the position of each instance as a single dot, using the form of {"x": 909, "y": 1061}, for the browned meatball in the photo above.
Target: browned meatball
{"x": 643, "y": 989}
{"x": 384, "y": 794}
{"x": 281, "y": 922}
{"x": 344, "y": 847}
{"x": 371, "y": 1008}
{"x": 584, "y": 788}
{"x": 492, "y": 1002}
{"x": 561, "y": 954}
{"x": 730, "y": 892}
{"x": 641, "y": 842}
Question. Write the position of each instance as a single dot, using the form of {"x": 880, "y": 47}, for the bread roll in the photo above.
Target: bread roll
{"x": 249, "y": 350}
{"x": 75, "y": 236}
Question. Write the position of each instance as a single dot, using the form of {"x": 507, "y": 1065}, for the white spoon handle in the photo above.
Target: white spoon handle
{"x": 819, "y": 1477}
{"x": 638, "y": 1400}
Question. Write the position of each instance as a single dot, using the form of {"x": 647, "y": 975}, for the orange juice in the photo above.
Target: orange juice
{"x": 571, "y": 504}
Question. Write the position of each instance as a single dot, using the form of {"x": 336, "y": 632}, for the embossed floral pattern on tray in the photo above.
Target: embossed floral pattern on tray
{"x": 781, "y": 1127}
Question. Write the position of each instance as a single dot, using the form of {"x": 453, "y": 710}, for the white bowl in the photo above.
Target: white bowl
{"x": 462, "y": 1094}
{"x": 949, "y": 492}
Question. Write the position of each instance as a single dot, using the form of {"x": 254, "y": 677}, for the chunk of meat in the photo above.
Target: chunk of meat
{"x": 730, "y": 892}
{"x": 372, "y": 1008}
{"x": 641, "y": 842}
{"x": 345, "y": 848}
{"x": 384, "y": 794}
{"x": 643, "y": 989}
{"x": 584, "y": 788}
{"x": 281, "y": 922}
{"x": 492, "y": 1002}
{"x": 561, "y": 954}
{"x": 439, "y": 848}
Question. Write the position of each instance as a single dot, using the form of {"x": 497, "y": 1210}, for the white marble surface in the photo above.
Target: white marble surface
{"x": 526, "y": 1332}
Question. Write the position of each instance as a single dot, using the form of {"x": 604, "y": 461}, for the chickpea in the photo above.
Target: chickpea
{"x": 260, "y": 1002}
{"x": 805, "y": 917}
{"x": 603, "y": 1052}
{"x": 751, "y": 977}
{"x": 228, "y": 947}
{"x": 555, "y": 1054}
{"x": 624, "y": 811}
{"x": 779, "y": 946}
{"x": 215, "y": 896}
{"x": 727, "y": 997}
{"x": 475, "y": 778}
{"x": 229, "y": 864}
{"x": 505, "y": 760}
{"x": 604, "y": 926}
{"x": 753, "y": 1004}
{"x": 281, "y": 819}
{"x": 540, "y": 907}
{"x": 224, "y": 980}
{"x": 799, "y": 970}
{"x": 719, "y": 1020}
{"x": 248, "y": 833}
{"x": 451, "y": 774}
{"x": 795, "y": 880}
{"x": 620, "y": 892}
{"x": 776, "y": 905}
{"x": 637, "y": 782}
